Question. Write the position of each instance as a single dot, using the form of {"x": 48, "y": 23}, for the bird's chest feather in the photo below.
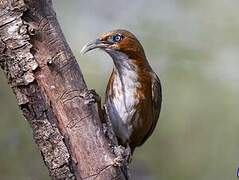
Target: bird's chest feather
{"x": 125, "y": 87}
{"x": 126, "y": 96}
{"x": 125, "y": 91}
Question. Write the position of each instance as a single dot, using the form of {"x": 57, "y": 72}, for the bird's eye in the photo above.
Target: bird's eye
{"x": 117, "y": 38}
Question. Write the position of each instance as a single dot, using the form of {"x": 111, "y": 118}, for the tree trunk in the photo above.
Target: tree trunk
{"x": 48, "y": 84}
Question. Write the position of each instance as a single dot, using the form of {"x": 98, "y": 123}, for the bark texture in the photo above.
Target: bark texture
{"x": 48, "y": 84}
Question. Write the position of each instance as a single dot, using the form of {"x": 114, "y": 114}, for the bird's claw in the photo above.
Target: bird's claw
{"x": 91, "y": 97}
{"x": 118, "y": 161}
{"x": 121, "y": 160}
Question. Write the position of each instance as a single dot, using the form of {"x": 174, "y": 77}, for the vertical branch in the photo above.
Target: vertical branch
{"x": 48, "y": 84}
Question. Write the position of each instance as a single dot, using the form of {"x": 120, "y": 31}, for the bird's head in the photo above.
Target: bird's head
{"x": 117, "y": 42}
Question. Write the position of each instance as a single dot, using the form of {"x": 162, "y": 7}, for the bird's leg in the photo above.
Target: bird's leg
{"x": 123, "y": 155}
{"x": 128, "y": 152}
{"x": 121, "y": 160}
{"x": 92, "y": 97}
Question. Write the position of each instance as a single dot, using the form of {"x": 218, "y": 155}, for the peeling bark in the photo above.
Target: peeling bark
{"x": 48, "y": 84}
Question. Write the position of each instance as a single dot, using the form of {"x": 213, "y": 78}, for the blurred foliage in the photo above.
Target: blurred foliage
{"x": 193, "y": 46}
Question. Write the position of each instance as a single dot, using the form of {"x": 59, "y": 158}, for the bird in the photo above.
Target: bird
{"x": 133, "y": 95}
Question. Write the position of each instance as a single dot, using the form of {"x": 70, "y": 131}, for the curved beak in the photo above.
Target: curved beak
{"x": 93, "y": 45}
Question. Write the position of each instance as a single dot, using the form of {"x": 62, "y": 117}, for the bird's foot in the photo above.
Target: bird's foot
{"x": 91, "y": 96}
{"x": 120, "y": 160}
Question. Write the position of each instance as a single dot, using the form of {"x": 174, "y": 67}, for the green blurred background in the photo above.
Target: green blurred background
{"x": 193, "y": 46}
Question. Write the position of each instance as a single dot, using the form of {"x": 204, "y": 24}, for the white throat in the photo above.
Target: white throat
{"x": 125, "y": 70}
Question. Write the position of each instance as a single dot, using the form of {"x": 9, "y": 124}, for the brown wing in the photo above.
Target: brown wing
{"x": 156, "y": 104}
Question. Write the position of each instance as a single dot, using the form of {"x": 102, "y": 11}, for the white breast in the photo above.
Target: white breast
{"x": 121, "y": 104}
{"x": 124, "y": 102}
